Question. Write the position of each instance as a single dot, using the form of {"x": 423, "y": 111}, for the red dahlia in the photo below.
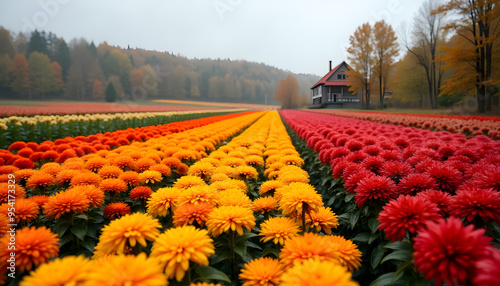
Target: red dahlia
{"x": 472, "y": 202}
{"x": 374, "y": 188}
{"x": 448, "y": 252}
{"x": 406, "y": 213}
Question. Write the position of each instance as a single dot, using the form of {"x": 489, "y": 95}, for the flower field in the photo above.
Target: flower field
{"x": 249, "y": 198}
{"x": 468, "y": 125}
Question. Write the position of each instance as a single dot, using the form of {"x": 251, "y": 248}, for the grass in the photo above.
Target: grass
{"x": 4, "y": 102}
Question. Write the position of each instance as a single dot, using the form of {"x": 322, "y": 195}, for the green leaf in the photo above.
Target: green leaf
{"x": 60, "y": 227}
{"x": 377, "y": 254}
{"x": 386, "y": 280}
{"x": 398, "y": 245}
{"x": 373, "y": 224}
{"x": 210, "y": 273}
{"x": 362, "y": 237}
{"x": 353, "y": 219}
{"x": 79, "y": 230}
{"x": 348, "y": 197}
{"x": 331, "y": 201}
{"x": 401, "y": 255}
{"x": 373, "y": 236}
{"x": 82, "y": 216}
{"x": 403, "y": 266}
{"x": 220, "y": 256}
{"x": 253, "y": 245}
{"x": 89, "y": 244}
{"x": 246, "y": 236}
{"x": 271, "y": 250}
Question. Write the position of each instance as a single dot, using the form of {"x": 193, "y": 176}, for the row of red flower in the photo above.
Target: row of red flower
{"x": 418, "y": 178}
{"x": 29, "y": 154}
{"x": 469, "y": 125}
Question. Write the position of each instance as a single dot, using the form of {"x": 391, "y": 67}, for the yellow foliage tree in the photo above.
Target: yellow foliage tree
{"x": 288, "y": 93}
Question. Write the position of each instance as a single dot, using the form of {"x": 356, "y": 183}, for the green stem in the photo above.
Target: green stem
{"x": 303, "y": 219}
{"x": 233, "y": 255}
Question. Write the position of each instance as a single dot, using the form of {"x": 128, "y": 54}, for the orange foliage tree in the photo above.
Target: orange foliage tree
{"x": 478, "y": 23}
{"x": 360, "y": 75}
{"x": 58, "y": 80}
{"x": 288, "y": 93}
{"x": 97, "y": 90}
{"x": 20, "y": 75}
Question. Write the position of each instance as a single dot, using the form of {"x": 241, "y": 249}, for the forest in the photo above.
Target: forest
{"x": 43, "y": 66}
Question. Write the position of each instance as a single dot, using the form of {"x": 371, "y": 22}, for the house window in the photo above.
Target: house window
{"x": 343, "y": 76}
{"x": 339, "y": 76}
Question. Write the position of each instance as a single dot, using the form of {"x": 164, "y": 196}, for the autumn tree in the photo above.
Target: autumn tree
{"x": 150, "y": 80}
{"x": 58, "y": 80}
{"x": 179, "y": 82}
{"x": 385, "y": 51}
{"x": 427, "y": 38}
{"x": 6, "y": 46}
{"x": 20, "y": 75}
{"x": 361, "y": 60}
{"x": 136, "y": 78}
{"x": 42, "y": 75}
{"x": 97, "y": 90}
{"x": 194, "y": 91}
{"x": 410, "y": 87}
{"x": 478, "y": 23}
{"x": 288, "y": 93}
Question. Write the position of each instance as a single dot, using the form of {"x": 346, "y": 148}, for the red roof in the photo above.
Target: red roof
{"x": 324, "y": 80}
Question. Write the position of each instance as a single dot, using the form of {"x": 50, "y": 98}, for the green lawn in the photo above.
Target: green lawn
{"x": 19, "y": 103}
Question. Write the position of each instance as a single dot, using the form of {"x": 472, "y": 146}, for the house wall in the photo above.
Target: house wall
{"x": 340, "y": 71}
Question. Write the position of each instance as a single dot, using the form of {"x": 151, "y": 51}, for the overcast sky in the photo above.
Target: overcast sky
{"x": 296, "y": 35}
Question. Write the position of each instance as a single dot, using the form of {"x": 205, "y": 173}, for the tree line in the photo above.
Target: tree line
{"x": 448, "y": 56}
{"x": 44, "y": 66}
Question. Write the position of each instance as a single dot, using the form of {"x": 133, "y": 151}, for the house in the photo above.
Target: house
{"x": 332, "y": 89}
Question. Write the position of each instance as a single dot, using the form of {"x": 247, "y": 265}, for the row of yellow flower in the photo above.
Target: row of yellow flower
{"x": 105, "y": 117}
{"x": 81, "y": 184}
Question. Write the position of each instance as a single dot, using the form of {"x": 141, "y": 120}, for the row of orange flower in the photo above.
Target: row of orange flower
{"x": 414, "y": 185}
{"x": 30, "y": 154}
{"x": 91, "y": 185}
{"x": 469, "y": 125}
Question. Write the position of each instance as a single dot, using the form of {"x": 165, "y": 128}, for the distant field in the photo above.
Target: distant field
{"x": 11, "y": 108}
{"x": 216, "y": 104}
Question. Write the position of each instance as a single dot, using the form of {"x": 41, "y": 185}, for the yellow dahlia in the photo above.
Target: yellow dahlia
{"x": 201, "y": 169}
{"x": 292, "y": 160}
{"x": 234, "y": 197}
{"x": 264, "y": 271}
{"x": 247, "y": 172}
{"x": 349, "y": 254}
{"x": 228, "y": 218}
{"x": 308, "y": 246}
{"x": 127, "y": 270}
{"x": 316, "y": 272}
{"x": 163, "y": 200}
{"x": 323, "y": 219}
{"x": 186, "y": 182}
{"x": 128, "y": 230}
{"x": 254, "y": 160}
{"x": 270, "y": 187}
{"x": 279, "y": 229}
{"x": 177, "y": 246}
{"x": 229, "y": 184}
{"x": 265, "y": 204}
{"x": 297, "y": 197}
{"x": 218, "y": 177}
{"x": 70, "y": 270}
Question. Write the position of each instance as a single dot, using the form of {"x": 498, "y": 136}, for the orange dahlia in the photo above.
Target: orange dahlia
{"x": 87, "y": 178}
{"x": 349, "y": 254}
{"x": 24, "y": 210}
{"x": 6, "y": 190}
{"x": 161, "y": 201}
{"x": 39, "y": 200}
{"x": 110, "y": 172}
{"x": 233, "y": 218}
{"x": 317, "y": 272}
{"x": 308, "y": 246}
{"x": 129, "y": 230}
{"x": 201, "y": 169}
{"x": 51, "y": 168}
{"x": 95, "y": 164}
{"x": 264, "y": 271}
{"x": 65, "y": 202}
{"x": 24, "y": 174}
{"x": 113, "y": 186}
{"x": 124, "y": 162}
{"x": 140, "y": 193}
{"x": 34, "y": 246}
{"x": 279, "y": 229}
{"x": 131, "y": 178}
{"x": 198, "y": 194}
{"x": 40, "y": 179}
{"x": 165, "y": 171}
{"x": 116, "y": 210}
{"x": 93, "y": 194}
{"x": 187, "y": 214}
{"x": 176, "y": 247}
{"x": 65, "y": 176}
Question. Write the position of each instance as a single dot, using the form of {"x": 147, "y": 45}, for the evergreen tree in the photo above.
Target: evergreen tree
{"x": 62, "y": 56}
{"x": 37, "y": 43}
{"x": 110, "y": 93}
